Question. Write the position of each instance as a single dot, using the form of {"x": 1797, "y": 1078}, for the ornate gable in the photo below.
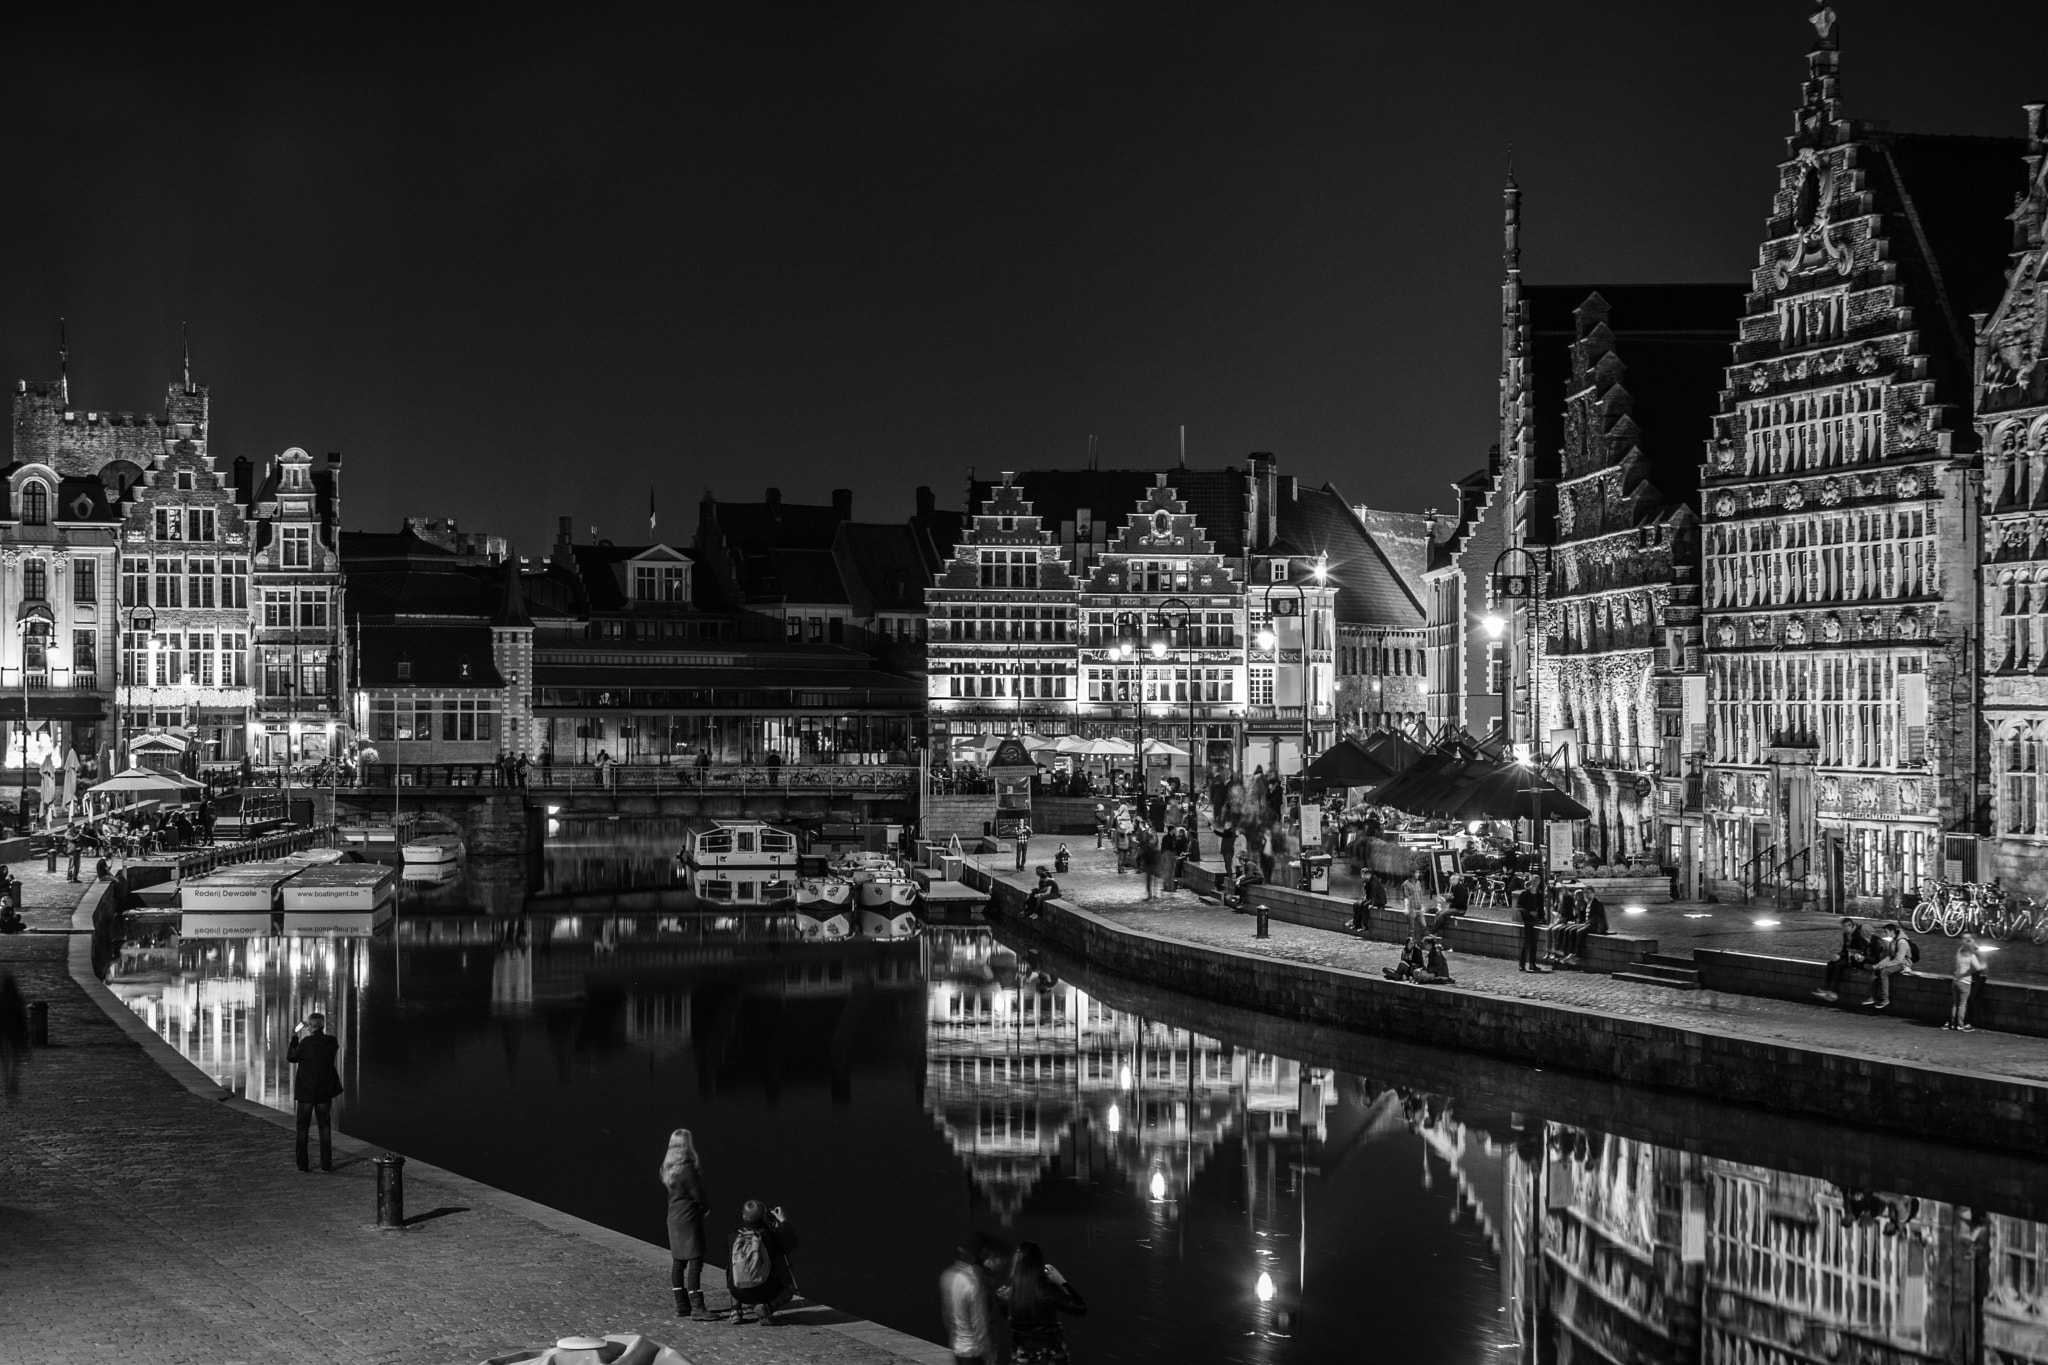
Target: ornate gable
{"x": 2012, "y": 343}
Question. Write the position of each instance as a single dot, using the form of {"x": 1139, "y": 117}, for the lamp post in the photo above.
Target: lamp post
{"x": 1171, "y": 620}
{"x": 1269, "y": 639}
{"x": 34, "y": 622}
{"x": 1525, "y": 585}
{"x": 138, "y": 618}
{"x": 1134, "y": 639}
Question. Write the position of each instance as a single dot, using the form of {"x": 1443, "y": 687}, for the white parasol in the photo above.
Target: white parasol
{"x": 70, "y": 776}
{"x": 1159, "y": 748}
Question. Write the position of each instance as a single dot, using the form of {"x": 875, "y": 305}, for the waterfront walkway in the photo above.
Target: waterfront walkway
{"x": 142, "y": 1220}
{"x": 1095, "y": 885}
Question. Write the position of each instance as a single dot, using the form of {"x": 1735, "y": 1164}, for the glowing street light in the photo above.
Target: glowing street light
{"x": 1494, "y": 623}
{"x": 1267, "y": 639}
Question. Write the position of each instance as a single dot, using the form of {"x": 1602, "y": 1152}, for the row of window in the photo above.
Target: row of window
{"x": 1848, "y": 734}
{"x": 85, "y": 651}
{"x": 1864, "y": 556}
{"x": 1386, "y": 660}
{"x": 175, "y": 581}
{"x": 184, "y": 659}
{"x": 1009, "y": 568}
{"x": 412, "y": 718}
{"x": 284, "y": 608}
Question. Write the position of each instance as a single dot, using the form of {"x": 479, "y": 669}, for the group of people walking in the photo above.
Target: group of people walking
{"x": 988, "y": 1288}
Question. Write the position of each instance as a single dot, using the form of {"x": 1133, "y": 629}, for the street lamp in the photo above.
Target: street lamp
{"x": 139, "y": 618}
{"x": 35, "y": 622}
{"x": 1134, "y": 640}
{"x": 1173, "y": 619}
{"x": 1524, "y": 585}
{"x": 1269, "y": 640}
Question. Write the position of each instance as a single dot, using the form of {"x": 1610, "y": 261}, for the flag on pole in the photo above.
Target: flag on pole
{"x": 650, "y": 508}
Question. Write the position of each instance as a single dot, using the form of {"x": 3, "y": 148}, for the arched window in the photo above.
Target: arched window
{"x": 35, "y": 503}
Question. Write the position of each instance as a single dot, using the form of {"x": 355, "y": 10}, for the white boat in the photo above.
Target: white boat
{"x": 433, "y": 849}
{"x": 817, "y": 894}
{"x": 894, "y": 892}
{"x": 888, "y": 923}
{"x": 814, "y": 924}
{"x": 741, "y": 885}
{"x": 739, "y": 843}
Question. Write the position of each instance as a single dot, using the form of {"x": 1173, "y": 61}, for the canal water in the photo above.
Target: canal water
{"x": 1221, "y": 1187}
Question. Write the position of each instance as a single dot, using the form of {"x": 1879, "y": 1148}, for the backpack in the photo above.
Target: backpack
{"x": 1912, "y": 949}
{"x": 749, "y": 1268}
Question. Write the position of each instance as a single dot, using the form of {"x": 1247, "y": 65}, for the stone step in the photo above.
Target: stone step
{"x": 1670, "y": 977}
{"x": 1672, "y": 960}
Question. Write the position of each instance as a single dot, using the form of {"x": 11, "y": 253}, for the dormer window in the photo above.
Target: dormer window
{"x": 185, "y": 482}
{"x": 1279, "y": 571}
{"x": 405, "y": 670}
{"x": 35, "y": 503}
{"x": 462, "y": 668}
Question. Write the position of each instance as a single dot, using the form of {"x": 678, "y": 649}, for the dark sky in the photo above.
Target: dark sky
{"x": 527, "y": 269}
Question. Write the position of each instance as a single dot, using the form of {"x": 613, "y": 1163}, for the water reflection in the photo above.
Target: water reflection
{"x": 1216, "y": 1201}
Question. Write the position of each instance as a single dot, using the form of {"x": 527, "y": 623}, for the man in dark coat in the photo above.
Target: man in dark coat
{"x": 1529, "y": 909}
{"x": 315, "y": 1084}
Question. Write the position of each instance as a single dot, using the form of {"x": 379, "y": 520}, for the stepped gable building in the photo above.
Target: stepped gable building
{"x": 1465, "y": 670}
{"x": 1025, "y": 615}
{"x": 185, "y": 642}
{"x": 2012, "y": 424}
{"x": 442, "y": 651}
{"x": 1841, "y": 560}
{"x": 295, "y": 565}
{"x": 60, "y": 534}
{"x": 1625, "y": 377}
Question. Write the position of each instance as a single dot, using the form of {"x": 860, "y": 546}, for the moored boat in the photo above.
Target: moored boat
{"x": 433, "y": 849}
{"x": 739, "y": 843}
{"x": 890, "y": 922}
{"x": 888, "y": 892}
{"x": 817, "y": 894}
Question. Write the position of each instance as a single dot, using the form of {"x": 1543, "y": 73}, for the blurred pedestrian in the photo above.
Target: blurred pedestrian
{"x": 963, "y": 1305}
{"x": 13, "y": 1035}
{"x": 687, "y": 1206}
{"x": 1033, "y": 1300}
{"x": 1529, "y": 909}
{"x": 315, "y": 1085}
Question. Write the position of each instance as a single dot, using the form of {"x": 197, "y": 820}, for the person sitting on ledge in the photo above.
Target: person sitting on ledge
{"x": 1853, "y": 951}
{"x": 1047, "y": 888}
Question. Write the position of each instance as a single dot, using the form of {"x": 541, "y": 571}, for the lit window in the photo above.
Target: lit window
{"x": 35, "y": 503}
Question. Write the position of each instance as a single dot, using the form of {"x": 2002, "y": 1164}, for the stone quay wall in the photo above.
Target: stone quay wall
{"x": 1991, "y": 1111}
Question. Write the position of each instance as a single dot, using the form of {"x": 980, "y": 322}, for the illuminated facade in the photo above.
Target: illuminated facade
{"x": 296, "y": 611}
{"x": 2012, "y": 424}
{"x": 1841, "y": 551}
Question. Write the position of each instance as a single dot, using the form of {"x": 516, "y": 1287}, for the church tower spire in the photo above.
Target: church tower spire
{"x": 1514, "y": 358}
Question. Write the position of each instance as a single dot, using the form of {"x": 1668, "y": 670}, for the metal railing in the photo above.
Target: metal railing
{"x": 881, "y": 779}
{"x": 1641, "y": 758}
{"x": 1750, "y": 875}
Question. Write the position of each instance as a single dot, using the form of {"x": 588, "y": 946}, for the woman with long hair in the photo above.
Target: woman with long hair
{"x": 1034, "y": 1299}
{"x": 687, "y": 1206}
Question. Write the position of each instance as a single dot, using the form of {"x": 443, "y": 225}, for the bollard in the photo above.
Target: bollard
{"x": 390, "y": 1190}
{"x": 39, "y": 1024}
{"x": 1262, "y": 923}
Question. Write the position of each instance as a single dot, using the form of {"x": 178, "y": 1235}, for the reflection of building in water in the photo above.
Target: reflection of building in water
{"x": 2016, "y": 1291}
{"x": 1649, "y": 1253}
{"x": 1026, "y": 1077}
{"x": 230, "y": 1005}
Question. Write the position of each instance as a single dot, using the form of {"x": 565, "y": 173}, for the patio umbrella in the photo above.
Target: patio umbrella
{"x": 1391, "y": 749}
{"x": 1512, "y": 792}
{"x": 70, "y": 776}
{"x": 1111, "y": 748}
{"x": 1038, "y": 744}
{"x": 1409, "y": 789}
{"x": 1347, "y": 763}
{"x": 1073, "y": 745}
{"x": 1159, "y": 748}
{"x": 49, "y": 780}
{"x": 147, "y": 782}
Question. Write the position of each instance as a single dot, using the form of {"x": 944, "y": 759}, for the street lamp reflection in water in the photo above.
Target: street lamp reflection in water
{"x": 1264, "y": 1288}
{"x": 1159, "y": 1185}
{"x": 1116, "y": 1120}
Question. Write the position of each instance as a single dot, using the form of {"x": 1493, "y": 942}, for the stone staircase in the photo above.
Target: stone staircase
{"x": 1664, "y": 969}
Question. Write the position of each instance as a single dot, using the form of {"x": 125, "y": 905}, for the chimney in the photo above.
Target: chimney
{"x": 333, "y": 459}
{"x": 775, "y": 502}
{"x": 842, "y": 504}
{"x": 927, "y": 505}
{"x": 1265, "y": 517}
{"x": 245, "y": 480}
{"x": 563, "y": 534}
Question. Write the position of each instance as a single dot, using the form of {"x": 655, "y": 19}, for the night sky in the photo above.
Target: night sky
{"x": 527, "y": 270}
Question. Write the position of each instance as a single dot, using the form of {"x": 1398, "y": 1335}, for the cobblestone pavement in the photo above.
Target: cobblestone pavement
{"x": 1095, "y": 885}
{"x": 141, "y": 1221}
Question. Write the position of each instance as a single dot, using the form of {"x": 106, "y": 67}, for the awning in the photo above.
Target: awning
{"x": 54, "y": 706}
{"x": 1347, "y": 763}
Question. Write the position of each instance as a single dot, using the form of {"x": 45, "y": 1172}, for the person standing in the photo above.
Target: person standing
{"x": 1529, "y": 908}
{"x": 1023, "y": 844}
{"x": 547, "y": 765}
{"x": 963, "y": 1306}
{"x": 683, "y": 1180}
{"x": 315, "y": 1085}
{"x": 1033, "y": 1300}
{"x": 1374, "y": 898}
{"x": 77, "y": 850}
{"x": 1970, "y": 970}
